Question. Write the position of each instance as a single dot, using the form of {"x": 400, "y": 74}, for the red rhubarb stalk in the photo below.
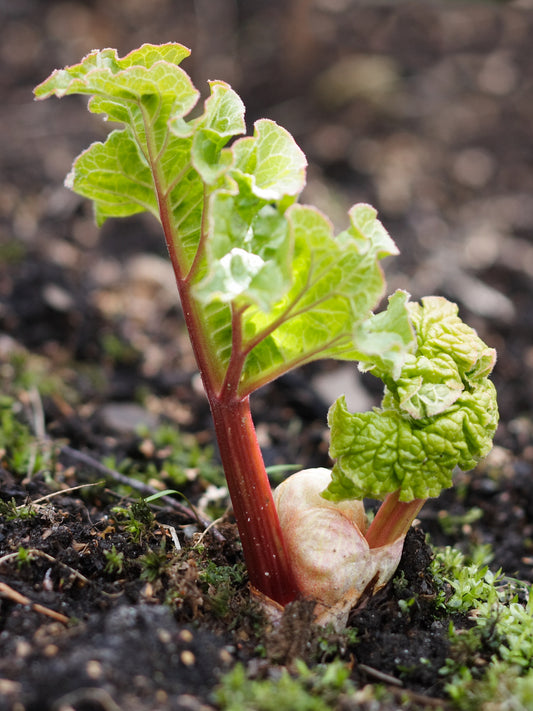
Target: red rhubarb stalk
{"x": 248, "y": 484}
{"x": 256, "y": 515}
{"x": 393, "y": 519}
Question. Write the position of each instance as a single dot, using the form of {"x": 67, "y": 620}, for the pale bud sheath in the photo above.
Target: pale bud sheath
{"x": 330, "y": 556}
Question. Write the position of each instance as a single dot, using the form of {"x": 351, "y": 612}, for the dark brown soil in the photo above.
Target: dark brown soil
{"x": 423, "y": 109}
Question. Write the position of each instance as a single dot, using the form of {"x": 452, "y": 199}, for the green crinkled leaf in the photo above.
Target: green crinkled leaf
{"x": 115, "y": 176}
{"x": 223, "y": 118}
{"x": 439, "y": 329}
{"x": 387, "y": 339}
{"x": 273, "y": 287}
{"x": 449, "y": 357}
{"x": 336, "y": 282}
{"x": 271, "y": 160}
{"x": 439, "y": 412}
{"x": 383, "y": 451}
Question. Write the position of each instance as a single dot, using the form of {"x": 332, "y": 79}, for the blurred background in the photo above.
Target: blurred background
{"x": 424, "y": 109}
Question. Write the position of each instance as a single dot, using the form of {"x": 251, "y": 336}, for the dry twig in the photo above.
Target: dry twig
{"x": 11, "y": 594}
{"x": 73, "y": 456}
{"x": 42, "y": 554}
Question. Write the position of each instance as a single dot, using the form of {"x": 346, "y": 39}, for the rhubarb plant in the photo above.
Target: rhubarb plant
{"x": 265, "y": 286}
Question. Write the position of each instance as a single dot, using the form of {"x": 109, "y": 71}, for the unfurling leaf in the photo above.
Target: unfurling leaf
{"x": 274, "y": 288}
{"x": 439, "y": 412}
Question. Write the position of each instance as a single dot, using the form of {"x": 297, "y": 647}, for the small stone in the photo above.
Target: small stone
{"x": 186, "y": 636}
{"x": 23, "y": 649}
{"x": 94, "y": 669}
{"x": 8, "y": 687}
{"x": 50, "y": 650}
{"x": 126, "y": 417}
{"x": 57, "y": 298}
{"x": 187, "y": 658}
{"x": 225, "y": 656}
{"x": 164, "y": 636}
{"x": 161, "y": 696}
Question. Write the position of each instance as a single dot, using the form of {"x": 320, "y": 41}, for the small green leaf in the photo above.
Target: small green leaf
{"x": 115, "y": 176}
{"x": 159, "y": 162}
{"x": 271, "y": 161}
{"x": 78, "y": 78}
{"x": 427, "y": 386}
{"x": 223, "y": 118}
{"x": 369, "y": 233}
{"x": 148, "y": 54}
{"x": 248, "y": 253}
{"x": 440, "y": 329}
{"x": 235, "y": 273}
{"x": 450, "y": 356}
{"x": 386, "y": 339}
{"x": 142, "y": 90}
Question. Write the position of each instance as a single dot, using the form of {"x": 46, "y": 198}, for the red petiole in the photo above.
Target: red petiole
{"x": 392, "y": 520}
{"x": 248, "y": 484}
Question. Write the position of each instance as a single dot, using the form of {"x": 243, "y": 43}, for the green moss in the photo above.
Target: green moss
{"x": 492, "y": 654}
{"x": 136, "y": 519}
{"x": 154, "y": 563}
{"x": 220, "y": 583}
{"x": 19, "y": 448}
{"x": 503, "y": 688}
{"x": 315, "y": 689}
{"x": 182, "y": 457}
{"x": 9, "y": 510}
{"x": 114, "y": 561}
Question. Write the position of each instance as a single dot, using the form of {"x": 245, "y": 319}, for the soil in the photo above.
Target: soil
{"x": 424, "y": 110}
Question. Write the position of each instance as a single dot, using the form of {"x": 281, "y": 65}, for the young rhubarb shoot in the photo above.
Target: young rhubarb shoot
{"x": 264, "y": 284}
{"x": 332, "y": 561}
{"x": 438, "y": 412}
